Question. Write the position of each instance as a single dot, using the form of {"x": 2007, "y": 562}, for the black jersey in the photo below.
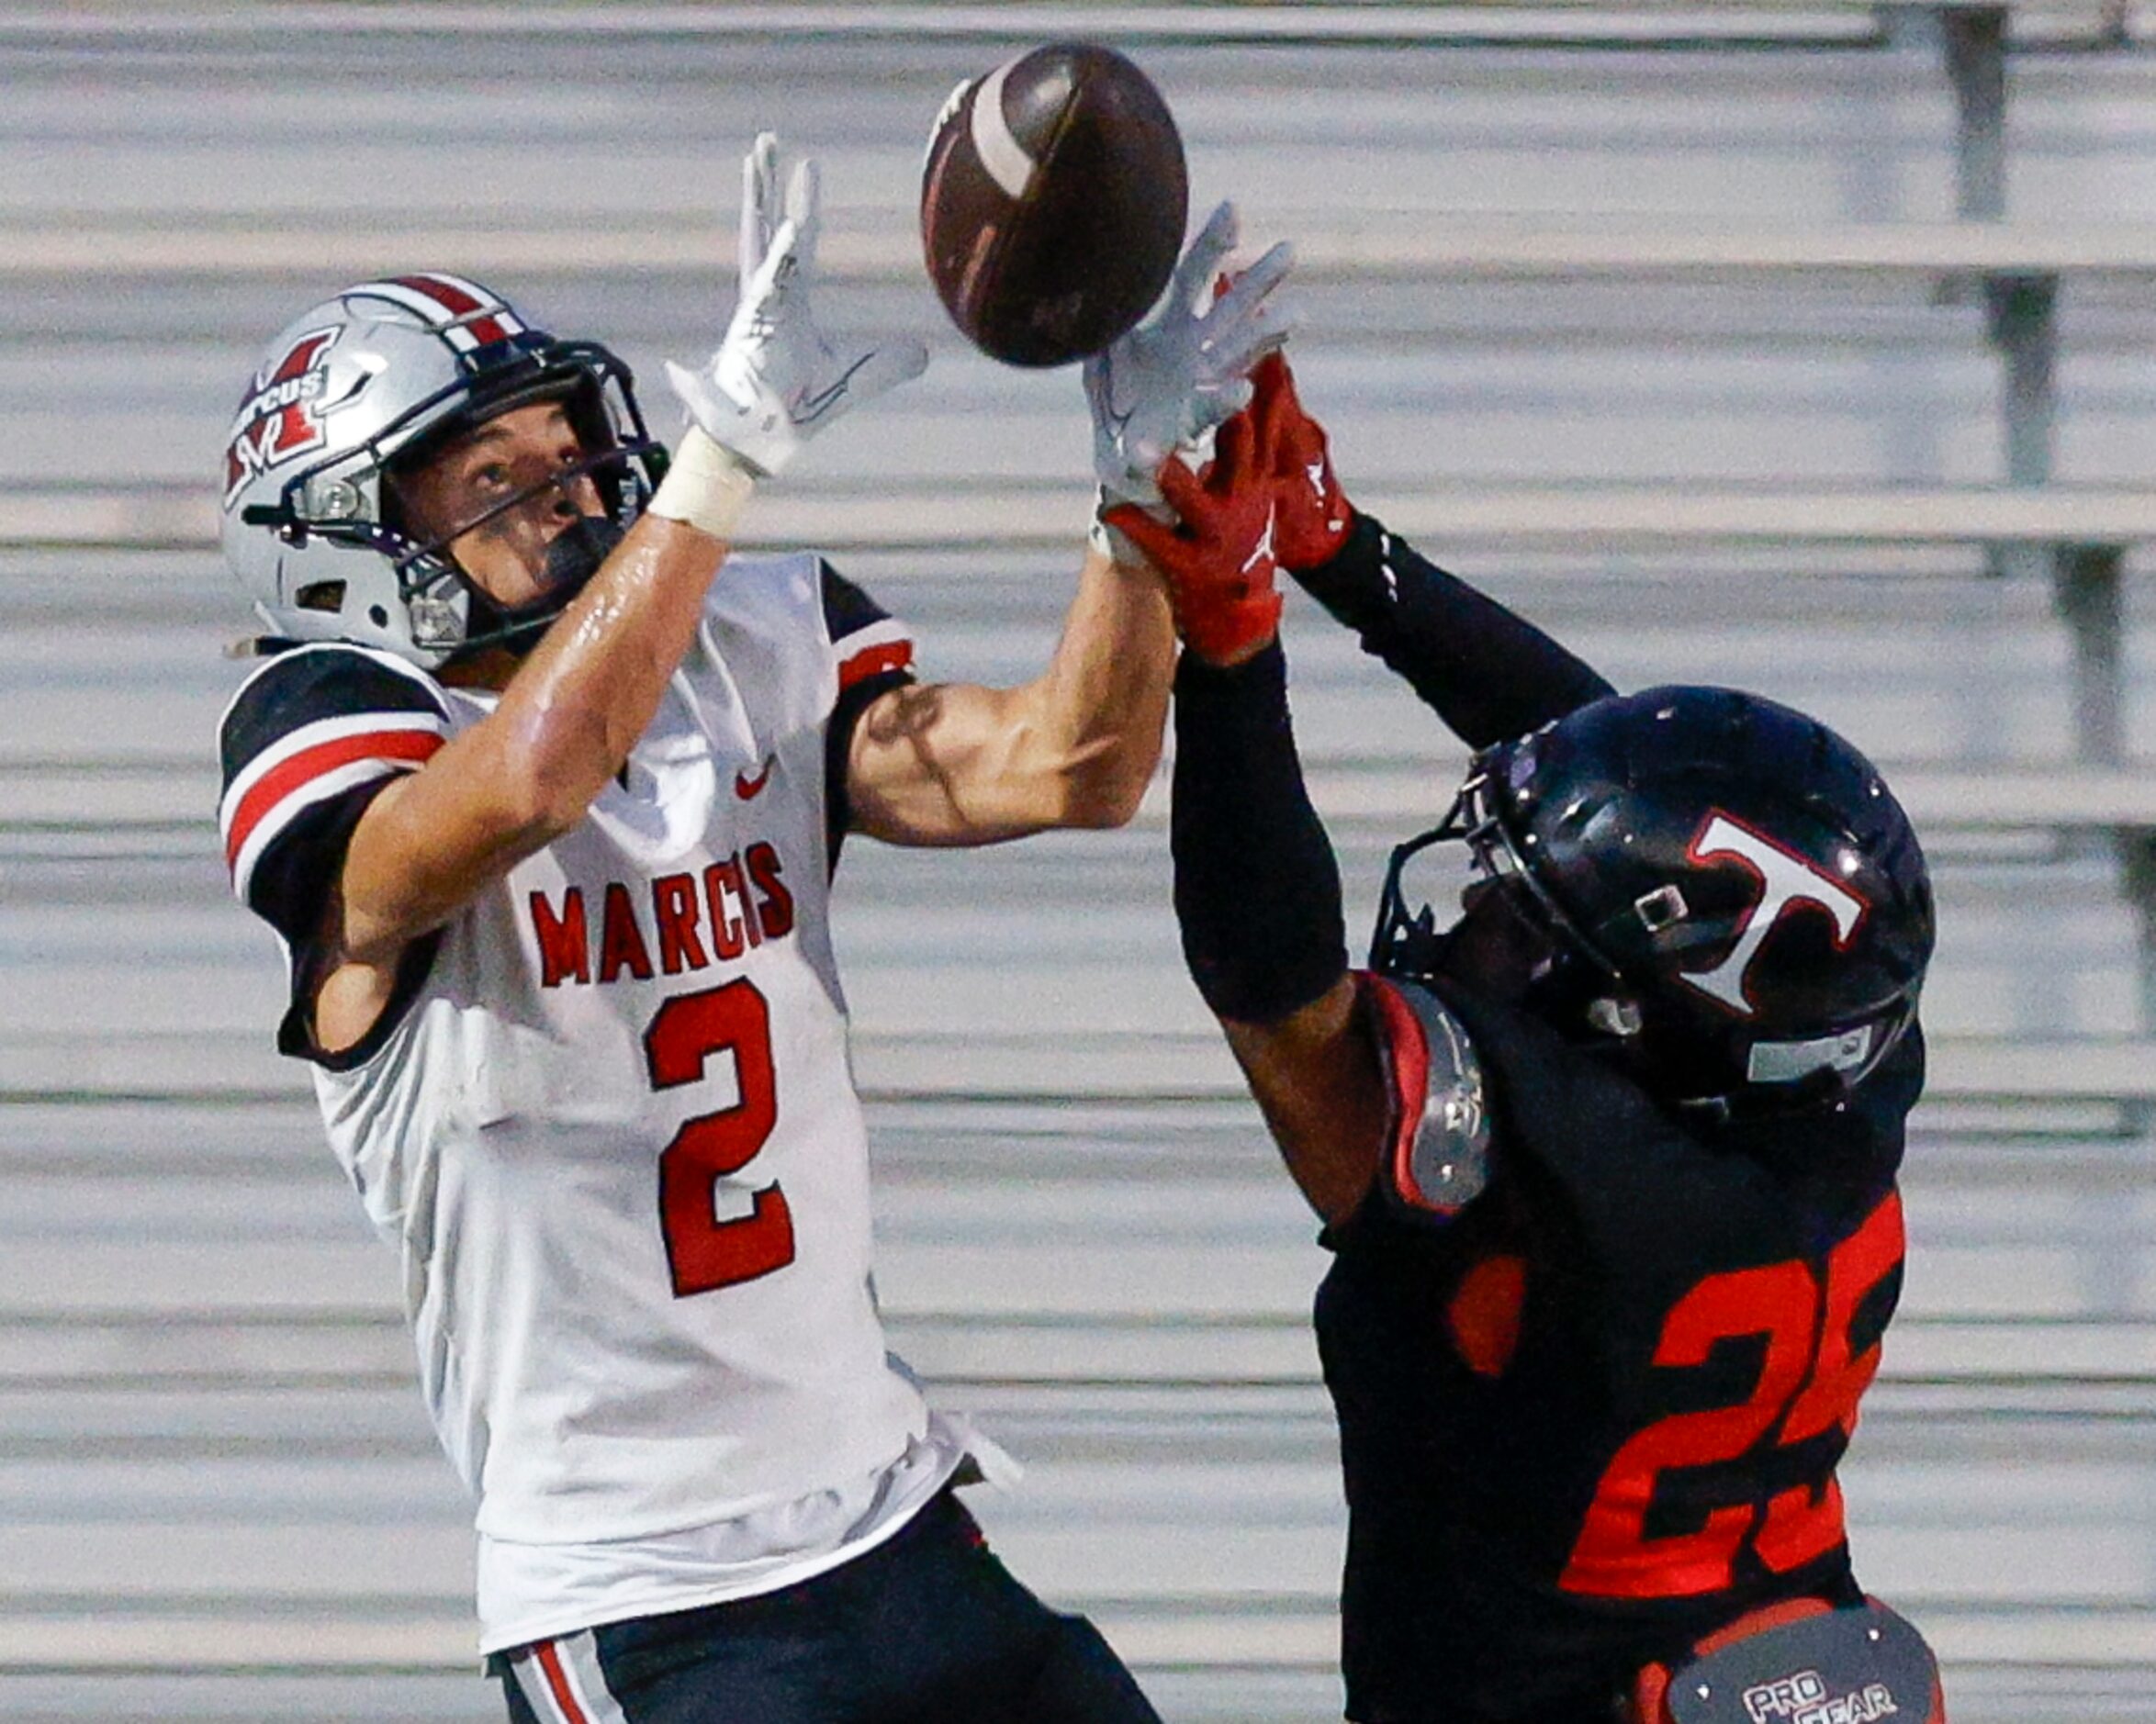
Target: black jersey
{"x": 1594, "y": 1413}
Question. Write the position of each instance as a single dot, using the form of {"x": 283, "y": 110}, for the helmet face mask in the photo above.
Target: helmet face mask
{"x": 1729, "y": 899}
{"x": 375, "y": 382}
{"x": 1510, "y": 940}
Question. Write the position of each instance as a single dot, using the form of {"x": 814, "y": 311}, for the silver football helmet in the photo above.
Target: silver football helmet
{"x": 384, "y": 373}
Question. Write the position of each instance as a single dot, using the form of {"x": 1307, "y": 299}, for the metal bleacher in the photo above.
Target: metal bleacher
{"x": 1804, "y": 346}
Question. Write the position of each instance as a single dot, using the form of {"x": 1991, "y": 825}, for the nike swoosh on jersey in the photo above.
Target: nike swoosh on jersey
{"x": 748, "y": 788}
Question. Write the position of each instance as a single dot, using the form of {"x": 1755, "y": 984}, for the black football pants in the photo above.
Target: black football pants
{"x": 929, "y": 1627}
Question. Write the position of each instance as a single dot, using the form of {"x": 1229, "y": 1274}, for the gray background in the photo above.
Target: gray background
{"x": 218, "y": 1497}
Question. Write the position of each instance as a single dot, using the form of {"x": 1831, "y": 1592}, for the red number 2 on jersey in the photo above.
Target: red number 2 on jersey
{"x": 704, "y": 1251}
{"x": 1807, "y": 1356}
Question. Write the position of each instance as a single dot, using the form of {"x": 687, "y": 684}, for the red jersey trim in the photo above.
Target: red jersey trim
{"x": 872, "y": 661}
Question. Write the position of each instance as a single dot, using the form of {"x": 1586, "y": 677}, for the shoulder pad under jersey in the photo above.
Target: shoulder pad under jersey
{"x": 1437, "y": 1159}
{"x": 311, "y": 724}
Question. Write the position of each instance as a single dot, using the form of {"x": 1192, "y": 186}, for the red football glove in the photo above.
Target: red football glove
{"x": 1312, "y": 515}
{"x": 1217, "y": 555}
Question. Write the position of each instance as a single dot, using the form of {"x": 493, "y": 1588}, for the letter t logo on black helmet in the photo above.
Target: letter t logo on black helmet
{"x": 1787, "y": 880}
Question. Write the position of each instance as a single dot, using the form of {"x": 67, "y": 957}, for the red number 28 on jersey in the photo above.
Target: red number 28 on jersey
{"x": 1809, "y": 1381}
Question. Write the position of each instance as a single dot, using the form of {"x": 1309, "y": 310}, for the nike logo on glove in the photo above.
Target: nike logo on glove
{"x": 806, "y": 409}
{"x": 748, "y": 788}
{"x": 1118, "y": 418}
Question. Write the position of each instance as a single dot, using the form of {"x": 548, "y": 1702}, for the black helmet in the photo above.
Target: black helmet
{"x": 1724, "y": 889}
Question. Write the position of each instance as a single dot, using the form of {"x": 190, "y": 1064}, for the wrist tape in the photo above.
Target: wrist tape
{"x": 1257, "y": 891}
{"x": 706, "y": 486}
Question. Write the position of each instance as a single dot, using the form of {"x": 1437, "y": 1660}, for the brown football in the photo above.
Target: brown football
{"x": 1053, "y": 203}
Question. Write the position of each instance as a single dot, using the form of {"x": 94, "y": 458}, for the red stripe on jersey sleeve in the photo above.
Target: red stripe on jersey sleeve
{"x": 872, "y": 660}
{"x": 309, "y": 763}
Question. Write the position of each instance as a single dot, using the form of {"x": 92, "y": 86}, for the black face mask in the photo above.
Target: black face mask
{"x": 1488, "y": 944}
{"x": 571, "y": 561}
{"x": 1502, "y": 944}
{"x": 575, "y": 556}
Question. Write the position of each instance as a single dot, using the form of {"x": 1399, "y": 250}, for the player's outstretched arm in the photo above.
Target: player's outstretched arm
{"x": 1488, "y": 674}
{"x": 568, "y": 717}
{"x": 961, "y": 764}
{"x": 1257, "y": 890}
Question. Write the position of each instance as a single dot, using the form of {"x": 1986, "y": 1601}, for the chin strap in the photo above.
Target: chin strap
{"x": 572, "y": 560}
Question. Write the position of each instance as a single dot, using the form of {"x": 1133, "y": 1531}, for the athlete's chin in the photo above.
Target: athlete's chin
{"x": 511, "y": 585}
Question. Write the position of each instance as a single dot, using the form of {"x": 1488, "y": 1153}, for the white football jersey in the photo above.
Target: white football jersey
{"x": 610, "y": 1128}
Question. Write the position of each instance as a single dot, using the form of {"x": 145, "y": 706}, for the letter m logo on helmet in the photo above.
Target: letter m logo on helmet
{"x": 277, "y": 419}
{"x": 1788, "y": 883}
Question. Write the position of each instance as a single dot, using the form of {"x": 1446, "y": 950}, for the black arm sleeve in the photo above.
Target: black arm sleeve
{"x": 1257, "y": 891}
{"x": 1487, "y": 673}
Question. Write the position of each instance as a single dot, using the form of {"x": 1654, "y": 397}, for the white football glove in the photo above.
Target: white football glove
{"x": 1171, "y": 381}
{"x": 775, "y": 381}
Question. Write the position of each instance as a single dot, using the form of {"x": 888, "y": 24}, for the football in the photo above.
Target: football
{"x": 1052, "y": 203}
